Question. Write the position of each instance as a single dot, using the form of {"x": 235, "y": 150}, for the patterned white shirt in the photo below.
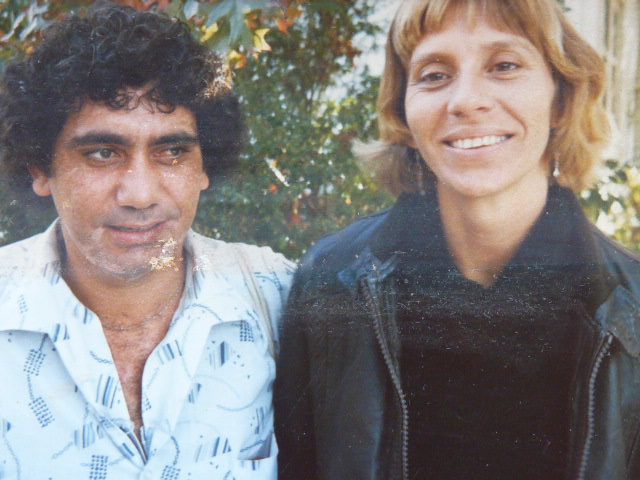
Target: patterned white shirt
{"x": 206, "y": 388}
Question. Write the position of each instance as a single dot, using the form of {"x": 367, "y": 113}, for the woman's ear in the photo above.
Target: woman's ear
{"x": 40, "y": 183}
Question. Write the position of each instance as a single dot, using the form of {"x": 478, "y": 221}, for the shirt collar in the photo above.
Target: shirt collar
{"x": 34, "y": 297}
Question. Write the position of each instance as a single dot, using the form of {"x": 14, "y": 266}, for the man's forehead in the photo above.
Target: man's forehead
{"x": 137, "y": 123}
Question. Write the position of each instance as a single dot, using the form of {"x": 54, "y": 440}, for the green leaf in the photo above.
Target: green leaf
{"x": 219, "y": 10}
{"x": 247, "y": 5}
{"x": 190, "y": 8}
{"x": 237, "y": 23}
{"x": 220, "y": 40}
{"x": 174, "y": 9}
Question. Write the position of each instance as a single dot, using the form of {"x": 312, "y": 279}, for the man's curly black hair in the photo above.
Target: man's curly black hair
{"x": 97, "y": 58}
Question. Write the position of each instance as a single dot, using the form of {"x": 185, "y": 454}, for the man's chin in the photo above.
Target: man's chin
{"x": 133, "y": 267}
{"x": 127, "y": 272}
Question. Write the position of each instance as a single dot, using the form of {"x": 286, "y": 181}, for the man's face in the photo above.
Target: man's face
{"x": 126, "y": 185}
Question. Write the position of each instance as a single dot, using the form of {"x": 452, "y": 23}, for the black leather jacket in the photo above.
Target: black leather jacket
{"x": 340, "y": 408}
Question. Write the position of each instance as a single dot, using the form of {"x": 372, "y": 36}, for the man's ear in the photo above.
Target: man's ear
{"x": 40, "y": 183}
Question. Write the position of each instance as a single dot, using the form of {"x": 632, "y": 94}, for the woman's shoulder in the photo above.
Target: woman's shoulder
{"x": 335, "y": 251}
{"x": 620, "y": 261}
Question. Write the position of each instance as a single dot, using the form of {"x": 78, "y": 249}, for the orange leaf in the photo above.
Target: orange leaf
{"x": 283, "y": 25}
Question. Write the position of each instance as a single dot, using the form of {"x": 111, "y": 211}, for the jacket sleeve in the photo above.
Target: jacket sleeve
{"x": 292, "y": 392}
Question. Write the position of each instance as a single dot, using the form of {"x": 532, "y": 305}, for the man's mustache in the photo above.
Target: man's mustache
{"x": 147, "y": 216}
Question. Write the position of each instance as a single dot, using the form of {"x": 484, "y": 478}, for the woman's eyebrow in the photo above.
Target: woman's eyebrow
{"x": 516, "y": 43}
{"x": 442, "y": 55}
{"x": 428, "y": 58}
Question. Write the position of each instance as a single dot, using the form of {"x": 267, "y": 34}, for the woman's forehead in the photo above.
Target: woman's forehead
{"x": 419, "y": 18}
{"x": 473, "y": 14}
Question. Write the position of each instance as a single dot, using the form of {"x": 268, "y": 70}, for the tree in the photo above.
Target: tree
{"x": 298, "y": 179}
{"x": 293, "y": 62}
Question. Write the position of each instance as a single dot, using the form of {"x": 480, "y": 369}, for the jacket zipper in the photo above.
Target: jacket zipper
{"x": 377, "y": 325}
{"x": 584, "y": 458}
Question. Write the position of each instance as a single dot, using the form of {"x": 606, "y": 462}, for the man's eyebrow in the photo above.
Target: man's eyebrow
{"x": 96, "y": 138}
{"x": 176, "y": 138}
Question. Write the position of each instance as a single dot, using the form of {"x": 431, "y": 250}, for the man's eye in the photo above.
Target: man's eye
{"x": 175, "y": 151}
{"x": 101, "y": 154}
{"x": 172, "y": 154}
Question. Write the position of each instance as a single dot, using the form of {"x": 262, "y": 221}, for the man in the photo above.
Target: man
{"x": 131, "y": 347}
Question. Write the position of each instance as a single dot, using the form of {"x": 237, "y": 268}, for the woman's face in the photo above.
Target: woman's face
{"x": 479, "y": 105}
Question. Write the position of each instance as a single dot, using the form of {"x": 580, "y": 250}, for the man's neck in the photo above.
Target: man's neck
{"x": 484, "y": 233}
{"x": 127, "y": 301}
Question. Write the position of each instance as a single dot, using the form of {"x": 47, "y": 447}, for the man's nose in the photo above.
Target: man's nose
{"x": 139, "y": 183}
{"x": 470, "y": 94}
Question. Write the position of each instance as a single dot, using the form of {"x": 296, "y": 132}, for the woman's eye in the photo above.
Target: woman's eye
{"x": 433, "y": 77}
{"x": 505, "y": 66}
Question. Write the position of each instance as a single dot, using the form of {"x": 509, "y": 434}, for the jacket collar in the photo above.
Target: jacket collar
{"x": 615, "y": 309}
{"x": 620, "y": 316}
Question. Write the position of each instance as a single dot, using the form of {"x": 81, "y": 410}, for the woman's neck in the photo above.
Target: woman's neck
{"x": 483, "y": 233}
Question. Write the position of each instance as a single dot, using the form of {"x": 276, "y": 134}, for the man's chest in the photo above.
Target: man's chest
{"x": 130, "y": 351}
{"x": 206, "y": 407}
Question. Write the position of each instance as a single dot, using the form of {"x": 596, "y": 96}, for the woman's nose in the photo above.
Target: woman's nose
{"x": 470, "y": 94}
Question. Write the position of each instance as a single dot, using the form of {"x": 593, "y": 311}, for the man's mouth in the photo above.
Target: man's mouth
{"x": 476, "y": 142}
{"x": 135, "y": 228}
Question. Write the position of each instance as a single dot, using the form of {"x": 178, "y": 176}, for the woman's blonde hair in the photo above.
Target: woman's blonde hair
{"x": 581, "y": 127}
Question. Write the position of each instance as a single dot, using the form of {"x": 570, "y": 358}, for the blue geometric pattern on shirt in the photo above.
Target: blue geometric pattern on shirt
{"x": 60, "y": 332}
{"x": 220, "y": 354}
{"x": 88, "y": 435}
{"x": 126, "y": 449}
{"x": 193, "y": 394}
{"x": 217, "y": 446}
{"x": 169, "y": 351}
{"x": 106, "y": 390}
{"x": 22, "y": 305}
{"x": 80, "y": 311}
{"x": 34, "y": 362}
{"x": 41, "y": 411}
{"x": 259, "y": 420}
{"x": 98, "y": 467}
{"x": 52, "y": 272}
{"x": 170, "y": 472}
{"x": 145, "y": 404}
{"x": 246, "y": 332}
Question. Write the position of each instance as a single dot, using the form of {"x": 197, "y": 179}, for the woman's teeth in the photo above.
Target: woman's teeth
{"x": 466, "y": 143}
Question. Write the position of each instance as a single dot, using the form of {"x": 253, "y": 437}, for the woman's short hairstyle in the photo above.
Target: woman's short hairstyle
{"x": 98, "y": 58}
{"x": 581, "y": 126}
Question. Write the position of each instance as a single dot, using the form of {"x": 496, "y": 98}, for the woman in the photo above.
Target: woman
{"x": 481, "y": 327}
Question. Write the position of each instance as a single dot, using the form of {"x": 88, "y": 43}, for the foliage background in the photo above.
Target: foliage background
{"x": 304, "y": 100}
